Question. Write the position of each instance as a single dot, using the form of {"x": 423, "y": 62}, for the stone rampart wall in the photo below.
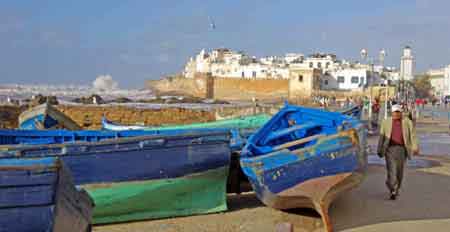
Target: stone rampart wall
{"x": 89, "y": 116}
{"x": 246, "y": 89}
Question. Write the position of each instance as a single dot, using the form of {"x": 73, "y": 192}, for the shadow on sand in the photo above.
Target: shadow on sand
{"x": 246, "y": 200}
{"x": 424, "y": 196}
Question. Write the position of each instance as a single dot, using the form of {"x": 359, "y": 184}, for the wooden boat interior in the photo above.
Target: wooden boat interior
{"x": 295, "y": 129}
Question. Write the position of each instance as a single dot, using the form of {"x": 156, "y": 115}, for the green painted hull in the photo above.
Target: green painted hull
{"x": 200, "y": 193}
{"x": 254, "y": 121}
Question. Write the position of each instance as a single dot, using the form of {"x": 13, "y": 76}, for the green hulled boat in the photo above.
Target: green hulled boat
{"x": 199, "y": 193}
{"x": 253, "y": 121}
{"x": 145, "y": 177}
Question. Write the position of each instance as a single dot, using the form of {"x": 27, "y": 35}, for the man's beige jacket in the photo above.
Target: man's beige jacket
{"x": 409, "y": 136}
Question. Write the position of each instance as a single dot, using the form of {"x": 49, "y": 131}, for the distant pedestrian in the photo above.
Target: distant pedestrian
{"x": 396, "y": 143}
{"x": 375, "y": 113}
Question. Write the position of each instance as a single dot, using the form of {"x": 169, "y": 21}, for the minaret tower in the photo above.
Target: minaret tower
{"x": 407, "y": 64}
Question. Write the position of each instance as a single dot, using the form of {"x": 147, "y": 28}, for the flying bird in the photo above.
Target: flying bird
{"x": 211, "y": 23}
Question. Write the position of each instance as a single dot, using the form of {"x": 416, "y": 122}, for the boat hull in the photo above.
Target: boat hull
{"x": 254, "y": 121}
{"x": 46, "y": 116}
{"x": 39, "y": 195}
{"x": 200, "y": 193}
{"x": 126, "y": 177}
{"x": 310, "y": 178}
{"x": 35, "y": 137}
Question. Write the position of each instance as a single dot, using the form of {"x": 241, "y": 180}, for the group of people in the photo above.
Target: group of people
{"x": 435, "y": 101}
{"x": 324, "y": 101}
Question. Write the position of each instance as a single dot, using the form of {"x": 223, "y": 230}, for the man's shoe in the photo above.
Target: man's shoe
{"x": 393, "y": 196}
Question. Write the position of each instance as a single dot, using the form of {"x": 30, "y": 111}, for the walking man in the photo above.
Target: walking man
{"x": 397, "y": 142}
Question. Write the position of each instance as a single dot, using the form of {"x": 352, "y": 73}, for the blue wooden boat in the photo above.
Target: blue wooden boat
{"x": 45, "y": 116}
{"x": 34, "y": 137}
{"x": 305, "y": 157}
{"x": 355, "y": 111}
{"x": 39, "y": 195}
{"x": 145, "y": 177}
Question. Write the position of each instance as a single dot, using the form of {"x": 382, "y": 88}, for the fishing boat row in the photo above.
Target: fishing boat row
{"x": 145, "y": 177}
{"x": 300, "y": 157}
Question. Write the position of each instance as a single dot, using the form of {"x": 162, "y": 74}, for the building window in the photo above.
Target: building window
{"x": 361, "y": 81}
{"x": 326, "y": 82}
{"x": 341, "y": 79}
{"x": 355, "y": 80}
{"x": 254, "y": 74}
{"x": 300, "y": 78}
{"x": 242, "y": 74}
{"x": 311, "y": 65}
{"x": 319, "y": 65}
{"x": 327, "y": 65}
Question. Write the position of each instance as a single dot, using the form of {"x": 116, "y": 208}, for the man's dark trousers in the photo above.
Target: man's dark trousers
{"x": 395, "y": 162}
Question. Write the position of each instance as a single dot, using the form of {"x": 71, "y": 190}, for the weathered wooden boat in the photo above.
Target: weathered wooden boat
{"x": 45, "y": 116}
{"x": 305, "y": 157}
{"x": 35, "y": 137}
{"x": 355, "y": 111}
{"x": 253, "y": 121}
{"x": 39, "y": 195}
{"x": 145, "y": 177}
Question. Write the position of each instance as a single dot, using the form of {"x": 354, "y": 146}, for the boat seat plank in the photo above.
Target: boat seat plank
{"x": 277, "y": 134}
{"x": 298, "y": 142}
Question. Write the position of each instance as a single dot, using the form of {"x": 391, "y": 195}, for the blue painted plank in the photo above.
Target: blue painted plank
{"x": 29, "y": 219}
{"x": 138, "y": 158}
{"x": 39, "y": 195}
{"x": 20, "y": 196}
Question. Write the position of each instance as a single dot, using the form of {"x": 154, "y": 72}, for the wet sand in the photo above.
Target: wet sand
{"x": 423, "y": 204}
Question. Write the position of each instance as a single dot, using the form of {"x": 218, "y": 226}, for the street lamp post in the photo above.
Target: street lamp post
{"x": 364, "y": 54}
{"x": 382, "y": 56}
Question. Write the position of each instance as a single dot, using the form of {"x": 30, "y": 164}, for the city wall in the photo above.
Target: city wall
{"x": 203, "y": 85}
{"x": 244, "y": 89}
{"x": 89, "y": 116}
{"x": 9, "y": 116}
{"x": 196, "y": 87}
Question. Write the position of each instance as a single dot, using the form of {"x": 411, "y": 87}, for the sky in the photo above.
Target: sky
{"x": 74, "y": 41}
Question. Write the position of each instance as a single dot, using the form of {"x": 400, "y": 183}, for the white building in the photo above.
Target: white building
{"x": 226, "y": 63}
{"x": 348, "y": 79}
{"x": 446, "y": 89}
{"x": 336, "y": 74}
{"x": 437, "y": 80}
{"x": 326, "y": 62}
{"x": 294, "y": 58}
{"x": 407, "y": 64}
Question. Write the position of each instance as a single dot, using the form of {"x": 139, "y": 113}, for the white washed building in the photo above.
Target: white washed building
{"x": 446, "y": 89}
{"x": 347, "y": 79}
{"x": 437, "y": 80}
{"x": 226, "y": 63}
{"x": 325, "y": 62}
